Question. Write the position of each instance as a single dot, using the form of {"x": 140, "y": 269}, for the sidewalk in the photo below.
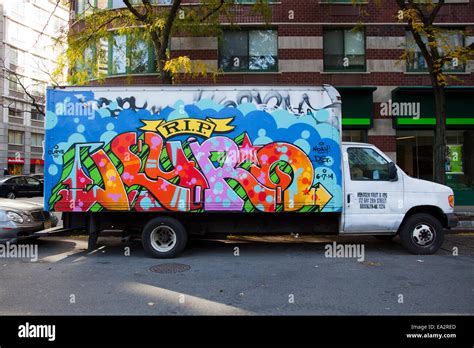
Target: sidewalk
{"x": 465, "y": 214}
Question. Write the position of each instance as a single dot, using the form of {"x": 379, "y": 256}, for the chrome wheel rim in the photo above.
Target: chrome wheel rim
{"x": 163, "y": 239}
{"x": 11, "y": 195}
{"x": 423, "y": 234}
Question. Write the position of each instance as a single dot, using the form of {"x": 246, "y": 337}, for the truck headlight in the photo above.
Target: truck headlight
{"x": 15, "y": 217}
{"x": 451, "y": 201}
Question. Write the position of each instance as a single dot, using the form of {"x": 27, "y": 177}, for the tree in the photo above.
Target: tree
{"x": 145, "y": 19}
{"x": 438, "y": 50}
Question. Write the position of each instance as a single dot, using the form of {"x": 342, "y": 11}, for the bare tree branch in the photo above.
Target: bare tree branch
{"x": 47, "y": 23}
{"x": 16, "y": 78}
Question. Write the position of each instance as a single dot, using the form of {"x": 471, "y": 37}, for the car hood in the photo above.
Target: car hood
{"x": 419, "y": 185}
{"x": 19, "y": 205}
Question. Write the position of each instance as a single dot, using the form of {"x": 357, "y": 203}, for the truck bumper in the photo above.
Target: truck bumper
{"x": 451, "y": 220}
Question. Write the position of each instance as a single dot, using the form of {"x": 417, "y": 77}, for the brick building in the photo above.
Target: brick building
{"x": 386, "y": 101}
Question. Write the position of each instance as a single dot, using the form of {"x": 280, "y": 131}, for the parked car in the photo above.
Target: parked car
{"x": 21, "y": 219}
{"x": 40, "y": 177}
{"x": 20, "y": 186}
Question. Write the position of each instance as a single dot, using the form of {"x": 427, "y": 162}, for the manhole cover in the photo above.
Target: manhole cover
{"x": 170, "y": 268}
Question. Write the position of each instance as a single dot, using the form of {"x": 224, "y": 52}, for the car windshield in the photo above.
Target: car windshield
{"x": 4, "y": 178}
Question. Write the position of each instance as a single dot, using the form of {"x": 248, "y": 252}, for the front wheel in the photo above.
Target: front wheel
{"x": 422, "y": 234}
{"x": 164, "y": 237}
{"x": 11, "y": 195}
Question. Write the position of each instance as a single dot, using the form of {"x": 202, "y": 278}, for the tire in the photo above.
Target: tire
{"x": 11, "y": 195}
{"x": 164, "y": 238}
{"x": 422, "y": 234}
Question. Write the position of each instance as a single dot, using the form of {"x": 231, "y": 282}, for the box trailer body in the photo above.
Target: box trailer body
{"x": 168, "y": 161}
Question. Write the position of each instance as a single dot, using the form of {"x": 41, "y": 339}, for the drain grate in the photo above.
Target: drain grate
{"x": 170, "y": 268}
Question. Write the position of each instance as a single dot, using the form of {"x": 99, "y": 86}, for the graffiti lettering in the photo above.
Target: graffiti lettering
{"x": 142, "y": 172}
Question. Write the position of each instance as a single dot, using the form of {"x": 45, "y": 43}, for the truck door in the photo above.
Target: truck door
{"x": 373, "y": 196}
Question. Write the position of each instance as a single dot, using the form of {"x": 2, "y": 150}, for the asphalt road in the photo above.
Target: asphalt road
{"x": 284, "y": 275}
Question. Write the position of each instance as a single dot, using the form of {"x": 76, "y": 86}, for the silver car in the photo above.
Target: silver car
{"x": 21, "y": 219}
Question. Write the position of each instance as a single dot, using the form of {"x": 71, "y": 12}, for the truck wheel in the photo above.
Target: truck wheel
{"x": 422, "y": 234}
{"x": 164, "y": 237}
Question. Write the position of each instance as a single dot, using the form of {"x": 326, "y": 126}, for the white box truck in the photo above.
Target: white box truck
{"x": 177, "y": 161}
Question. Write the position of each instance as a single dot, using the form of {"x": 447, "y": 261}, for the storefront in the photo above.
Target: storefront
{"x": 36, "y": 166}
{"x": 357, "y": 112}
{"x": 15, "y": 165}
{"x": 415, "y": 137}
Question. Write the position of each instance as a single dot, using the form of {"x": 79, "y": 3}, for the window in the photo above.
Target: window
{"x": 354, "y": 135}
{"x": 15, "y": 116}
{"x": 37, "y": 140}
{"x": 38, "y": 88}
{"x": 130, "y": 55}
{"x": 94, "y": 60}
{"x": 119, "y": 3}
{"x": 344, "y": 50}
{"x": 17, "y": 181}
{"x": 119, "y": 55}
{"x": 15, "y": 137}
{"x": 253, "y": 50}
{"x": 449, "y": 40}
{"x": 32, "y": 181}
{"x": 36, "y": 116}
{"x": 367, "y": 164}
{"x": 14, "y": 83}
{"x": 13, "y": 55}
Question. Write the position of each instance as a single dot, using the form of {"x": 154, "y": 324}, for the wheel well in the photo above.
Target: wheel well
{"x": 427, "y": 209}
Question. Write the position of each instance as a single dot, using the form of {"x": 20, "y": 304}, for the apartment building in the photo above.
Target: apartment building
{"x": 387, "y": 101}
{"x": 27, "y": 59}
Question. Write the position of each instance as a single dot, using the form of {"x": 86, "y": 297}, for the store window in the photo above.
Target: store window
{"x": 252, "y": 50}
{"x": 415, "y": 157}
{"x": 460, "y": 165}
{"x": 415, "y": 153}
{"x": 344, "y": 50}
{"x": 449, "y": 39}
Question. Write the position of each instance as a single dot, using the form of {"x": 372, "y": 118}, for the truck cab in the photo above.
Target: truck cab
{"x": 381, "y": 199}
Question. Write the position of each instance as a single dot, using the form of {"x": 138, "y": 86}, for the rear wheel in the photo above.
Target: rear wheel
{"x": 164, "y": 237}
{"x": 422, "y": 234}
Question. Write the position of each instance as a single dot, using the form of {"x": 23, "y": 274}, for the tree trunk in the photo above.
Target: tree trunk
{"x": 160, "y": 53}
{"x": 440, "y": 136}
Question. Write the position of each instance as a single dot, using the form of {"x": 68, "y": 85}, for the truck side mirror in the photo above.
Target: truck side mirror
{"x": 392, "y": 172}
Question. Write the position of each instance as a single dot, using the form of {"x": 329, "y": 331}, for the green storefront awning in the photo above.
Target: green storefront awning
{"x": 416, "y": 107}
{"x": 357, "y": 106}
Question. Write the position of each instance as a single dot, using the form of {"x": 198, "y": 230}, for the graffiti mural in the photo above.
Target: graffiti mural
{"x": 109, "y": 152}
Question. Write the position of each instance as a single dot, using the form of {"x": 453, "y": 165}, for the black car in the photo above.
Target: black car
{"x": 20, "y": 186}
{"x": 40, "y": 177}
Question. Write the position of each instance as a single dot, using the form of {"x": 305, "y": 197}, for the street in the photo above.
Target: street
{"x": 288, "y": 275}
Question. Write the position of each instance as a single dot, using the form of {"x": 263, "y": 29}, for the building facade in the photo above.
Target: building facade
{"x": 387, "y": 101}
{"x": 27, "y": 58}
